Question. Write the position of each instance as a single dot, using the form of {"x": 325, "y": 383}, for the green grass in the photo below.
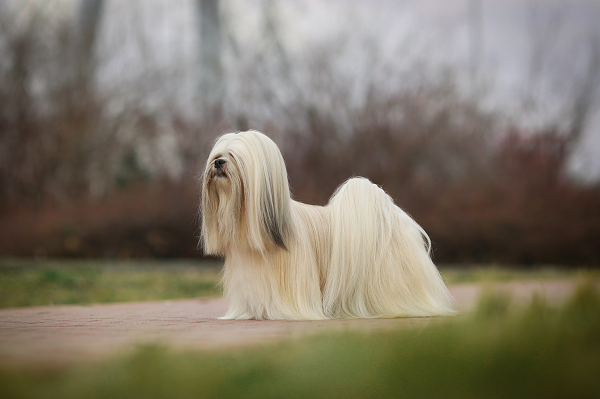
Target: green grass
{"x": 38, "y": 283}
{"x": 53, "y": 283}
{"x": 492, "y": 273}
{"x": 499, "y": 351}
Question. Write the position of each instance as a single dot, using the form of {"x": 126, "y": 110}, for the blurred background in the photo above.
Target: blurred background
{"x": 481, "y": 118}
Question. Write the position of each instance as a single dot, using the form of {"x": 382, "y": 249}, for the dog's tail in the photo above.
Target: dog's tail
{"x": 380, "y": 264}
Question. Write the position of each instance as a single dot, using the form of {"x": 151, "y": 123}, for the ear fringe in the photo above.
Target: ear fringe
{"x": 268, "y": 203}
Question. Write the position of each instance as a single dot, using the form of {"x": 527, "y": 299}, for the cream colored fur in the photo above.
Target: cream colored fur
{"x": 359, "y": 256}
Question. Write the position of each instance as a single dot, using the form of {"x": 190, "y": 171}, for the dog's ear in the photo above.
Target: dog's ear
{"x": 274, "y": 216}
{"x": 270, "y": 202}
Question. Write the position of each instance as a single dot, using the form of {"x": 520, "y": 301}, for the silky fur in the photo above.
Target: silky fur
{"x": 359, "y": 256}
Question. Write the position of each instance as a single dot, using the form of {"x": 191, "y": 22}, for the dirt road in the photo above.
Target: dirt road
{"x": 56, "y": 335}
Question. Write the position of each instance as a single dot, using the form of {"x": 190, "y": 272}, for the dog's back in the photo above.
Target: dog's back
{"x": 379, "y": 262}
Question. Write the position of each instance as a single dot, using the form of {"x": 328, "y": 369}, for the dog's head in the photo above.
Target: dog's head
{"x": 245, "y": 195}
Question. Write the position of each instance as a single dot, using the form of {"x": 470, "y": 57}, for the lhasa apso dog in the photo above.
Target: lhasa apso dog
{"x": 359, "y": 256}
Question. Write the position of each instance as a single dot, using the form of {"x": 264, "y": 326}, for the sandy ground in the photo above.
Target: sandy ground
{"x": 58, "y": 335}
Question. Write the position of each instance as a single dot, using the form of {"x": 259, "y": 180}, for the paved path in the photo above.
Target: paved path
{"x": 57, "y": 335}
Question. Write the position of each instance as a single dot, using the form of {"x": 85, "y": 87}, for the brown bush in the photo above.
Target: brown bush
{"x": 146, "y": 220}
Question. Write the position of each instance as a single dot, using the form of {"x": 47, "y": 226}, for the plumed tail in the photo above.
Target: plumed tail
{"x": 379, "y": 260}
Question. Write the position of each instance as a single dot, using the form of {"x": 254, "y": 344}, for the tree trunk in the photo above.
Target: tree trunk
{"x": 211, "y": 73}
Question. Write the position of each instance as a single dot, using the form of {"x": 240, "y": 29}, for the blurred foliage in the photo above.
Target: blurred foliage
{"x": 39, "y": 283}
{"x": 105, "y": 163}
{"x": 499, "y": 351}
{"x": 92, "y": 283}
{"x": 466, "y": 273}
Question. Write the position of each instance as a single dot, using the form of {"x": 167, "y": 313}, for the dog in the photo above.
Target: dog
{"x": 360, "y": 256}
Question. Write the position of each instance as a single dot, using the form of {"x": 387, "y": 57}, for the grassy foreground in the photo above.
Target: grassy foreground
{"x": 502, "y": 350}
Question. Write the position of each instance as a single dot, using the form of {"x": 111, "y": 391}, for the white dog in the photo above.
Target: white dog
{"x": 359, "y": 256}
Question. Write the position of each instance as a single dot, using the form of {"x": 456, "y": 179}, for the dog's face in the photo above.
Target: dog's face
{"x": 222, "y": 171}
{"x": 245, "y": 196}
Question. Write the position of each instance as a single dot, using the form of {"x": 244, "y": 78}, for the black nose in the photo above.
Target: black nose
{"x": 219, "y": 163}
